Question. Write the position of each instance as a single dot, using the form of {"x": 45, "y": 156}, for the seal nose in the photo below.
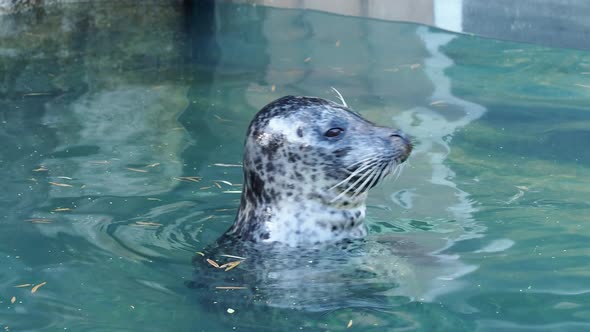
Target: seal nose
{"x": 405, "y": 141}
{"x": 398, "y": 134}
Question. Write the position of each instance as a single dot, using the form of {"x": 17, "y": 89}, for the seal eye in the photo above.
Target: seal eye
{"x": 333, "y": 132}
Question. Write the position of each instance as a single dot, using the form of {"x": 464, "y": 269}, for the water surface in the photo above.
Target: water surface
{"x": 122, "y": 129}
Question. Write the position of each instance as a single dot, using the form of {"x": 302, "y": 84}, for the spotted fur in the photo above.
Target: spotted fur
{"x": 303, "y": 185}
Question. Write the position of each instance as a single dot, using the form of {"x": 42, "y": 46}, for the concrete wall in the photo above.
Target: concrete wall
{"x": 558, "y": 23}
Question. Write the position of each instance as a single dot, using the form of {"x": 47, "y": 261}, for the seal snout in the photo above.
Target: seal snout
{"x": 402, "y": 142}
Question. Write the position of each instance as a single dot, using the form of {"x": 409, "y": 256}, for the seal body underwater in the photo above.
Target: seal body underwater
{"x": 308, "y": 165}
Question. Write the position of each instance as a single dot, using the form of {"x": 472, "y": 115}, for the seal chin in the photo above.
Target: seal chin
{"x": 308, "y": 165}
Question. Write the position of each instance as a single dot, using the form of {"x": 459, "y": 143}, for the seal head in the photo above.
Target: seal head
{"x": 308, "y": 164}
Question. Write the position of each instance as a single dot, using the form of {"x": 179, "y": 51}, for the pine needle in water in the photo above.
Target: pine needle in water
{"x": 212, "y": 262}
{"x": 60, "y": 184}
{"x": 227, "y": 165}
{"x": 230, "y": 287}
{"x": 34, "y": 289}
{"x": 230, "y": 265}
{"x": 39, "y": 220}
{"x": 232, "y": 256}
{"x": 147, "y": 223}
{"x": 136, "y": 170}
{"x": 188, "y": 178}
{"x": 61, "y": 209}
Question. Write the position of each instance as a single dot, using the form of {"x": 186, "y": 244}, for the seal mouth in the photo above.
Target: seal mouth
{"x": 367, "y": 173}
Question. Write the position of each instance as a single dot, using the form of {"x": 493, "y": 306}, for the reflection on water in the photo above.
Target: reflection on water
{"x": 122, "y": 129}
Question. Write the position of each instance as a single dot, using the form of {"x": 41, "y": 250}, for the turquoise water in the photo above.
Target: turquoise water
{"x": 110, "y": 112}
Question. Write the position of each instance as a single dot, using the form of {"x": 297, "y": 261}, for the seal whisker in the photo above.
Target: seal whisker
{"x": 399, "y": 168}
{"x": 340, "y": 97}
{"x": 369, "y": 179}
{"x": 368, "y": 173}
{"x": 364, "y": 159}
{"x": 396, "y": 171}
{"x": 375, "y": 180}
{"x": 353, "y": 174}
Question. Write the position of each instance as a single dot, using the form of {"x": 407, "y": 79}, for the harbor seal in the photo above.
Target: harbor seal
{"x": 308, "y": 164}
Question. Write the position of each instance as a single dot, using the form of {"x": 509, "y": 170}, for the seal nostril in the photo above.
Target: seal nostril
{"x": 401, "y": 136}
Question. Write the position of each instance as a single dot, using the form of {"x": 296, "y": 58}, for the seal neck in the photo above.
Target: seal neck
{"x": 295, "y": 220}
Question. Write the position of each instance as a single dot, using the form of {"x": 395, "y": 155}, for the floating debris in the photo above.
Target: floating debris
{"x": 583, "y": 85}
{"x": 188, "y": 178}
{"x": 39, "y": 220}
{"x": 13, "y": 299}
{"x": 60, "y": 184}
{"x": 61, "y": 209}
{"x": 230, "y": 265}
{"x": 37, "y": 94}
{"x": 227, "y": 165}
{"x": 154, "y": 199}
{"x": 515, "y": 197}
{"x": 35, "y": 288}
{"x": 217, "y": 185}
{"x": 200, "y": 253}
{"x": 273, "y": 88}
{"x": 23, "y": 285}
{"x": 232, "y": 192}
{"x": 308, "y": 59}
{"x": 41, "y": 169}
{"x": 232, "y": 256}
{"x": 438, "y": 102}
{"x": 147, "y": 223}
{"x": 136, "y": 170}
{"x": 230, "y": 287}
{"x": 224, "y": 182}
{"x": 153, "y": 165}
{"x": 220, "y": 118}
{"x": 205, "y": 188}
{"x": 99, "y": 162}
{"x": 349, "y": 325}
{"x": 64, "y": 177}
{"x": 515, "y": 50}
{"x": 212, "y": 262}
{"x": 230, "y": 311}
